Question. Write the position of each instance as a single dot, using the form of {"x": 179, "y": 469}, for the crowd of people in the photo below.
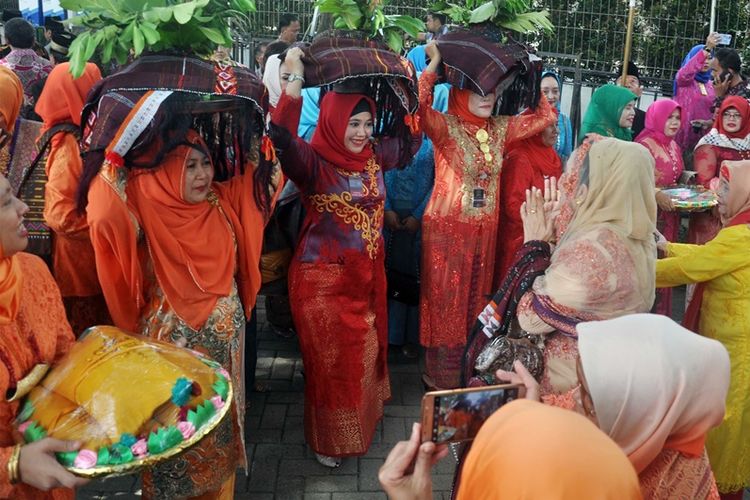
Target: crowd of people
{"x": 405, "y": 244}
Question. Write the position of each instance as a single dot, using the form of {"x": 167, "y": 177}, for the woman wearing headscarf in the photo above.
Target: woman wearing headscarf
{"x": 610, "y": 113}
{"x": 552, "y": 90}
{"x": 525, "y": 450}
{"x": 694, "y": 92}
{"x": 603, "y": 264}
{"x": 528, "y": 163}
{"x": 33, "y": 335}
{"x": 460, "y": 225}
{"x": 177, "y": 257}
{"x": 337, "y": 281}
{"x": 720, "y": 309}
{"x": 729, "y": 139}
{"x": 657, "y": 390}
{"x": 74, "y": 267}
{"x": 662, "y": 123}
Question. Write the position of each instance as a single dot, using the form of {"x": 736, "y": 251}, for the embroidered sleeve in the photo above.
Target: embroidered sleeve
{"x": 528, "y": 320}
{"x": 706, "y": 164}
{"x": 432, "y": 122}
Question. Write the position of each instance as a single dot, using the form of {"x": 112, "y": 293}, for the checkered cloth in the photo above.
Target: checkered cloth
{"x": 475, "y": 59}
{"x": 338, "y": 55}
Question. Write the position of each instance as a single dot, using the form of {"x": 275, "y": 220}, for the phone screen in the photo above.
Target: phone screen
{"x": 458, "y": 416}
{"x": 725, "y": 39}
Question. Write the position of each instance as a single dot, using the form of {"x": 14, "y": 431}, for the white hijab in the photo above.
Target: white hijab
{"x": 272, "y": 79}
{"x": 654, "y": 384}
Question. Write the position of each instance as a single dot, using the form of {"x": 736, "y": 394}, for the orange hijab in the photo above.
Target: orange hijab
{"x": 10, "y": 287}
{"x": 458, "y": 105}
{"x": 192, "y": 245}
{"x": 530, "y": 450}
{"x": 11, "y": 97}
{"x": 63, "y": 96}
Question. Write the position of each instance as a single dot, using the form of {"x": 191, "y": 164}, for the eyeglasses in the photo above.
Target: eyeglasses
{"x": 733, "y": 116}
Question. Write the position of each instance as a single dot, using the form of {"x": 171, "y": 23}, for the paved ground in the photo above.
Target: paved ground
{"x": 282, "y": 467}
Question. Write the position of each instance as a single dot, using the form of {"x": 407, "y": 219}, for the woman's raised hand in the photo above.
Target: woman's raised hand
{"x": 433, "y": 54}
{"x": 537, "y": 225}
{"x": 551, "y": 197}
{"x": 293, "y": 60}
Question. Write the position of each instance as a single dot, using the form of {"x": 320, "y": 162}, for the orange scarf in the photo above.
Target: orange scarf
{"x": 10, "y": 287}
{"x": 458, "y": 105}
{"x": 11, "y": 97}
{"x": 186, "y": 241}
{"x": 63, "y": 97}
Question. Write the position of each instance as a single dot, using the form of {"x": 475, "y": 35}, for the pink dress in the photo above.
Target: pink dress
{"x": 667, "y": 170}
{"x": 695, "y": 99}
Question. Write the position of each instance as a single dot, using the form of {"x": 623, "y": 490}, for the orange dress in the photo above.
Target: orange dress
{"x": 74, "y": 264}
{"x": 459, "y": 239}
{"x": 38, "y": 334}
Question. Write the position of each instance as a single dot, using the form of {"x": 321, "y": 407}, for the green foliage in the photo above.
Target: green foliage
{"x": 117, "y": 29}
{"x": 368, "y": 16}
{"x": 514, "y": 15}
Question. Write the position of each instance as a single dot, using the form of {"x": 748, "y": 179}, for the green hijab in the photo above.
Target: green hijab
{"x": 604, "y": 111}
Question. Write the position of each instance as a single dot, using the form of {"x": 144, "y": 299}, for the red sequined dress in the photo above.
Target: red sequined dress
{"x": 461, "y": 225}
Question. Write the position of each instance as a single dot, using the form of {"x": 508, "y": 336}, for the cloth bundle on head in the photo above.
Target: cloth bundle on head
{"x": 656, "y": 120}
{"x": 11, "y": 97}
{"x": 272, "y": 79}
{"x": 63, "y": 97}
{"x": 719, "y": 136}
{"x": 653, "y": 383}
{"x": 328, "y": 138}
{"x": 702, "y": 76}
{"x": 474, "y": 59}
{"x": 604, "y": 112}
{"x": 737, "y": 202}
{"x": 528, "y": 450}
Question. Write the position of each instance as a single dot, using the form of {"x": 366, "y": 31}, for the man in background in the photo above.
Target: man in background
{"x": 22, "y": 60}
{"x": 633, "y": 82}
{"x": 288, "y": 28}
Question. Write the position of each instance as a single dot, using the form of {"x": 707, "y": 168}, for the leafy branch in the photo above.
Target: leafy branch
{"x": 368, "y": 17}
{"x": 117, "y": 29}
{"x": 514, "y": 15}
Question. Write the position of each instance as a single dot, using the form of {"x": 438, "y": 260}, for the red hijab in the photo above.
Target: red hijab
{"x": 458, "y": 105}
{"x": 328, "y": 139}
{"x": 63, "y": 96}
{"x": 544, "y": 158}
{"x": 743, "y": 108}
{"x": 178, "y": 234}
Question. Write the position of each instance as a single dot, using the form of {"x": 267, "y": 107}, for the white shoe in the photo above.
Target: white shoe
{"x": 332, "y": 462}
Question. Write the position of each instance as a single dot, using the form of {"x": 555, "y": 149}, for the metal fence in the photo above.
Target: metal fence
{"x": 664, "y": 30}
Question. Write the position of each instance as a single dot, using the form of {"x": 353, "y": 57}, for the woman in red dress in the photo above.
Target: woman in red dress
{"x": 728, "y": 140}
{"x": 460, "y": 224}
{"x": 337, "y": 281}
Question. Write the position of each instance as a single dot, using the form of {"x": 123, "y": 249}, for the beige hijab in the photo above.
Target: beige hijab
{"x": 654, "y": 384}
{"x": 737, "y": 175}
{"x": 620, "y": 199}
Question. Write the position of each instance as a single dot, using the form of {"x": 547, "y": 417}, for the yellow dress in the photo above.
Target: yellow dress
{"x": 724, "y": 264}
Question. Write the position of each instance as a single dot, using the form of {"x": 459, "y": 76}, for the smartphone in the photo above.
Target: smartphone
{"x": 725, "y": 76}
{"x": 456, "y": 415}
{"x": 725, "y": 39}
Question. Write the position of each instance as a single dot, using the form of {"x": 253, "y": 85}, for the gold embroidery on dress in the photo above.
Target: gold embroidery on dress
{"x": 369, "y": 223}
{"x": 474, "y": 162}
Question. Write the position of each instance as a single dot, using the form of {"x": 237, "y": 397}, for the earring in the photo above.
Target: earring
{"x": 578, "y": 202}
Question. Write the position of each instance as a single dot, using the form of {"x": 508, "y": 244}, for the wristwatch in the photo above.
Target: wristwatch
{"x": 294, "y": 77}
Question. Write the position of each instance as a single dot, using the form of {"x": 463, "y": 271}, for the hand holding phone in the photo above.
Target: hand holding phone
{"x": 725, "y": 39}
{"x": 457, "y": 415}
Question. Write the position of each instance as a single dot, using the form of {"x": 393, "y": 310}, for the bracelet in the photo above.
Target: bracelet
{"x": 294, "y": 77}
{"x": 14, "y": 475}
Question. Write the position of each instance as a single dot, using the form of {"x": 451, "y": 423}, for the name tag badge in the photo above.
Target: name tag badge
{"x": 355, "y": 186}
{"x": 477, "y": 199}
